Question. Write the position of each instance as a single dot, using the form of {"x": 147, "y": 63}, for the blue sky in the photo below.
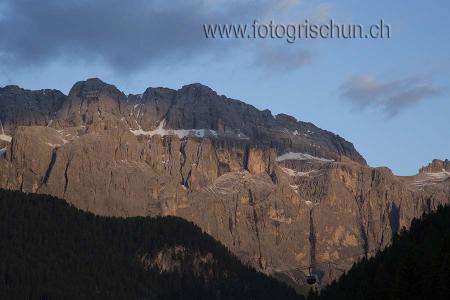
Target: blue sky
{"x": 389, "y": 97}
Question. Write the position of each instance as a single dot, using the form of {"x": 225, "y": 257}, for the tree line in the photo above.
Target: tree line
{"x": 415, "y": 266}
{"x": 51, "y": 250}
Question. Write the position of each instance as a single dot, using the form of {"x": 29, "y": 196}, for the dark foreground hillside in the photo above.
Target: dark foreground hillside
{"x": 416, "y": 266}
{"x": 50, "y": 250}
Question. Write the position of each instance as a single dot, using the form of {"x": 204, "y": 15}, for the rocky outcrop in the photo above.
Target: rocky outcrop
{"x": 436, "y": 166}
{"x": 280, "y": 193}
{"x": 24, "y": 107}
{"x": 179, "y": 260}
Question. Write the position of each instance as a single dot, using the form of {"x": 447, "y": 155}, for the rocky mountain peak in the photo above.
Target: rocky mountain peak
{"x": 157, "y": 92}
{"x": 436, "y": 166}
{"x": 199, "y": 94}
{"x": 19, "y": 106}
{"x": 197, "y": 88}
{"x": 290, "y": 120}
{"x": 10, "y": 88}
{"x": 93, "y": 87}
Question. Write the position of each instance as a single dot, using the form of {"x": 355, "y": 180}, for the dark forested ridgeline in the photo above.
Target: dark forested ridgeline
{"x": 415, "y": 266}
{"x": 51, "y": 250}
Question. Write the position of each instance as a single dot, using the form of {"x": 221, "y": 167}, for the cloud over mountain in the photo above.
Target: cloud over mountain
{"x": 391, "y": 97}
{"x": 127, "y": 36}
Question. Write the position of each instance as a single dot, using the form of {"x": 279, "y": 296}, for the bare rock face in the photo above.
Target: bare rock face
{"x": 434, "y": 178}
{"x": 180, "y": 260}
{"x": 280, "y": 193}
{"x": 436, "y": 166}
{"x": 24, "y": 107}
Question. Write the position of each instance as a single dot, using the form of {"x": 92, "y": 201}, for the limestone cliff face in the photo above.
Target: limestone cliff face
{"x": 280, "y": 193}
{"x": 436, "y": 166}
{"x": 24, "y": 107}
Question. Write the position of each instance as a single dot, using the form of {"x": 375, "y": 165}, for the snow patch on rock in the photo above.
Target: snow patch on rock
{"x": 54, "y": 145}
{"x": 432, "y": 178}
{"x": 5, "y": 138}
{"x": 180, "y": 133}
{"x": 294, "y": 173}
{"x": 439, "y": 175}
{"x": 301, "y": 156}
{"x": 294, "y": 187}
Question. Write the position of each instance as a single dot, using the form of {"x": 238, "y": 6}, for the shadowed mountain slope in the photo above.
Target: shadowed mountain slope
{"x": 51, "y": 250}
{"x": 415, "y": 266}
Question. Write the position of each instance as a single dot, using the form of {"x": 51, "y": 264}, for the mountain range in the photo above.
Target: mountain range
{"x": 279, "y": 193}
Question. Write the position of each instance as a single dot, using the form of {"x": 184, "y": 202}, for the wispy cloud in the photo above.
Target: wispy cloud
{"x": 284, "y": 59}
{"x": 391, "y": 97}
{"x": 287, "y": 4}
